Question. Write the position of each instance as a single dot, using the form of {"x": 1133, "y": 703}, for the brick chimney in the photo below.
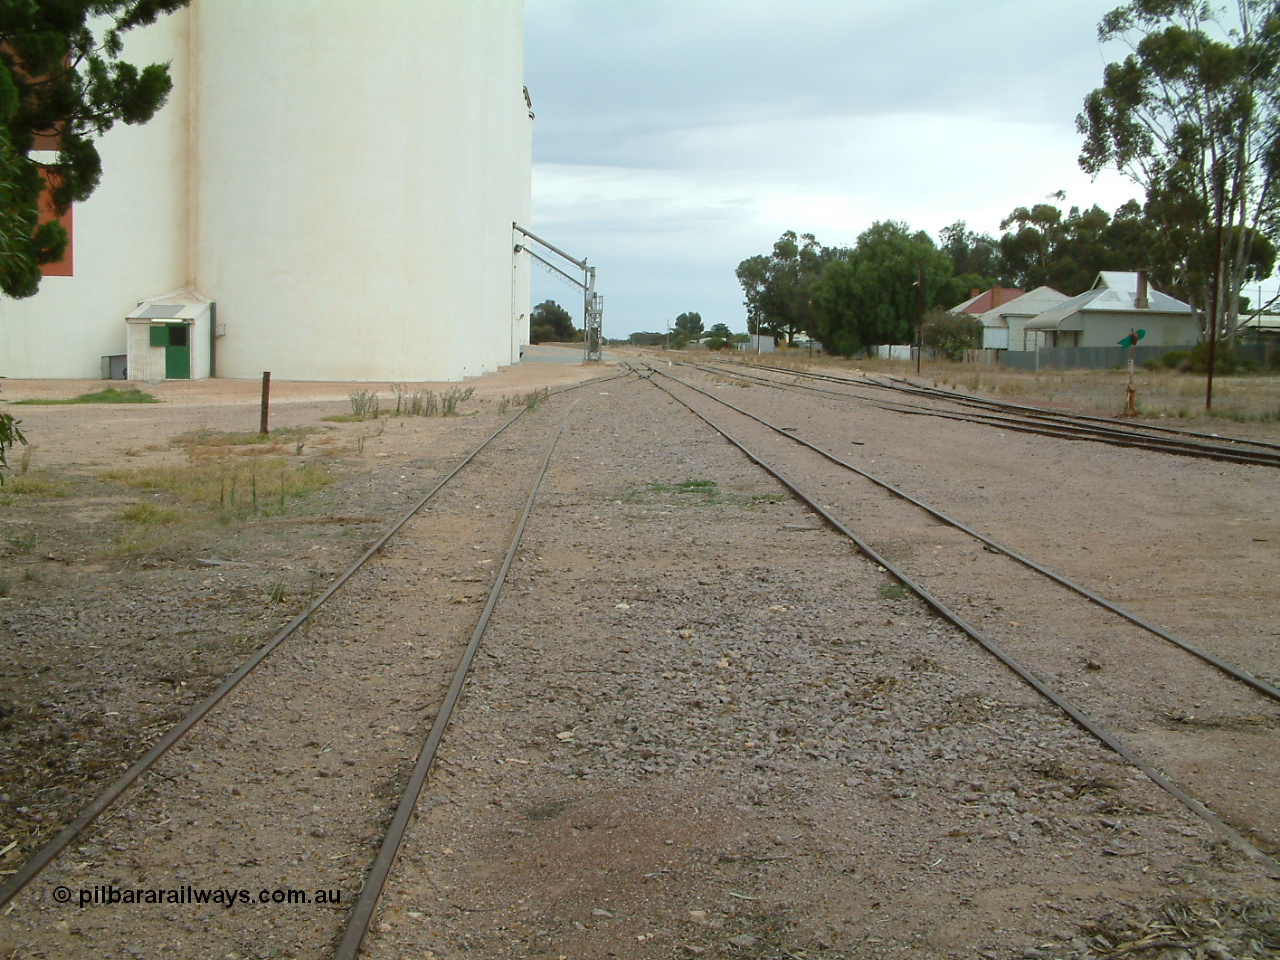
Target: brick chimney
{"x": 1141, "y": 301}
{"x": 973, "y": 292}
{"x": 995, "y": 296}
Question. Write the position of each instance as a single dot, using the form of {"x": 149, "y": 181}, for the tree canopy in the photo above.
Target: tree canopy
{"x": 550, "y": 322}
{"x": 976, "y": 258}
{"x": 689, "y": 325}
{"x": 1041, "y": 246}
{"x": 865, "y": 295}
{"x": 778, "y": 287}
{"x": 868, "y": 295}
{"x": 645, "y": 338}
{"x": 1192, "y": 115}
{"x": 62, "y": 83}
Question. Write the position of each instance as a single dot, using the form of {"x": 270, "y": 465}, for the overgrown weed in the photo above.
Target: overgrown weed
{"x": 529, "y": 401}
{"x": 26, "y": 485}
{"x": 450, "y": 399}
{"x": 265, "y": 485}
{"x": 107, "y": 395}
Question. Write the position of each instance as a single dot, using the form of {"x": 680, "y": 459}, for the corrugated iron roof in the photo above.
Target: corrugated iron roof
{"x": 1113, "y": 292}
{"x": 183, "y": 305}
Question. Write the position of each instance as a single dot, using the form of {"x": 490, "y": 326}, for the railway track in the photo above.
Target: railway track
{"x": 1136, "y": 715}
{"x": 1008, "y": 416}
{"x": 332, "y": 703}
{"x": 376, "y": 668}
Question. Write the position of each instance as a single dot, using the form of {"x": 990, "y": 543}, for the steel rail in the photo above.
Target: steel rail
{"x": 1105, "y": 424}
{"x": 371, "y": 890}
{"x": 88, "y": 814}
{"x": 1061, "y": 426}
{"x": 970, "y": 400}
{"x": 1256, "y": 458}
{"x": 1083, "y": 720}
{"x": 1096, "y": 428}
{"x": 1083, "y": 421}
{"x": 1236, "y": 673}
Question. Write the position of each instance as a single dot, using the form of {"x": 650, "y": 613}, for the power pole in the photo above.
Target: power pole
{"x": 1217, "y": 294}
{"x": 920, "y": 322}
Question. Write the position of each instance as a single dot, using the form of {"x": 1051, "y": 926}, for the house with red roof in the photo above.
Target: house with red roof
{"x": 1004, "y": 312}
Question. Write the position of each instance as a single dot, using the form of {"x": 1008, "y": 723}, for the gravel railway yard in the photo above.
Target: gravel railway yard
{"x": 700, "y": 719}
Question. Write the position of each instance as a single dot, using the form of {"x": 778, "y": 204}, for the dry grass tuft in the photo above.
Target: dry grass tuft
{"x": 262, "y": 485}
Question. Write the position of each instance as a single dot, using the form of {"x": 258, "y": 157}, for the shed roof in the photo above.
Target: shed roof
{"x": 182, "y": 305}
{"x": 1261, "y": 321}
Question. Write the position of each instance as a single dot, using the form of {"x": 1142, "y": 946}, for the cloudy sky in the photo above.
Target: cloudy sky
{"x": 674, "y": 138}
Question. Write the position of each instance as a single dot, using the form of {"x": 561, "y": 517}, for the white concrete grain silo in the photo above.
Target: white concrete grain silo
{"x": 349, "y": 172}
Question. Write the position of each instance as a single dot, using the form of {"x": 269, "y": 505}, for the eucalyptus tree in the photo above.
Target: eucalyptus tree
{"x": 778, "y": 286}
{"x": 1192, "y": 115}
{"x": 1042, "y": 246}
{"x": 689, "y": 324}
{"x": 975, "y": 257}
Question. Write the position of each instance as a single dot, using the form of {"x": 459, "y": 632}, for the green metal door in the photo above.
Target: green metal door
{"x": 177, "y": 353}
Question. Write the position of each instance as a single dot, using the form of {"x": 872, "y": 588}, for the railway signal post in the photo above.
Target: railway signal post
{"x": 1130, "y": 403}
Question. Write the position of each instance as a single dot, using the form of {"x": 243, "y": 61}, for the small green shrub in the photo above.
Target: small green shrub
{"x": 1174, "y": 359}
{"x": 949, "y": 335}
{"x": 10, "y": 436}
{"x": 1224, "y": 358}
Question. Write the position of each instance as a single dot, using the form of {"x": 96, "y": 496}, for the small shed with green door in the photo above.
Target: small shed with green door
{"x": 172, "y": 338}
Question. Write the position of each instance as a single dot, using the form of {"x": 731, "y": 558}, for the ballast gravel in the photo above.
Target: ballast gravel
{"x": 700, "y": 724}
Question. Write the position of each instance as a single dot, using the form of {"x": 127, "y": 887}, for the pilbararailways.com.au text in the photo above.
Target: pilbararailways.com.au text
{"x": 110, "y": 895}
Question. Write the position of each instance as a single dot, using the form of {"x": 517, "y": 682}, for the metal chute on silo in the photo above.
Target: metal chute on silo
{"x": 593, "y": 303}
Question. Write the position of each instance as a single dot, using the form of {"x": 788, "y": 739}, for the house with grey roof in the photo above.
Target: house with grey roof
{"x": 1116, "y": 304}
